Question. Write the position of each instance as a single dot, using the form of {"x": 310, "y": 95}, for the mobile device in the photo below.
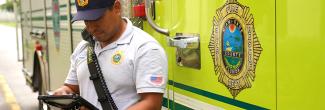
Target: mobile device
{"x": 66, "y": 102}
{"x": 86, "y": 35}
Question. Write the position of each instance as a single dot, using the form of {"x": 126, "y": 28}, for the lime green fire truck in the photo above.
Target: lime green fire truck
{"x": 222, "y": 54}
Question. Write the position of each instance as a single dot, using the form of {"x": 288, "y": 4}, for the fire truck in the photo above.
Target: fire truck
{"x": 222, "y": 54}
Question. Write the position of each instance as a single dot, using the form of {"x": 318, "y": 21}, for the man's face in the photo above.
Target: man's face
{"x": 107, "y": 26}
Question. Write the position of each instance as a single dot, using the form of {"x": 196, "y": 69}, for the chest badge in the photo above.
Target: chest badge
{"x": 118, "y": 57}
{"x": 234, "y": 46}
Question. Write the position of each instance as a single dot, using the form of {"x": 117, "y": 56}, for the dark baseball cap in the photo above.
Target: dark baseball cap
{"x": 91, "y": 9}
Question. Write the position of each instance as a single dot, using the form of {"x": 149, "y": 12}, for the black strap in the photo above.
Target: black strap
{"x": 96, "y": 75}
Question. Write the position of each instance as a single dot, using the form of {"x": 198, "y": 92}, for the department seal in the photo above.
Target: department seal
{"x": 234, "y": 46}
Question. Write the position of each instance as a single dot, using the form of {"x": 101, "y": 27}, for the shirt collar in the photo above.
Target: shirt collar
{"x": 126, "y": 36}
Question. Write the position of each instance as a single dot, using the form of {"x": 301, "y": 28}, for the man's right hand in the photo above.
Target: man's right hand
{"x": 67, "y": 89}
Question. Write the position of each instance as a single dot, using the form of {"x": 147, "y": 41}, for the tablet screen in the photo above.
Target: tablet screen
{"x": 62, "y": 101}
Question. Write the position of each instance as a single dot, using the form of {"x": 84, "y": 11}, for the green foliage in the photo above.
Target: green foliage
{"x": 9, "y": 6}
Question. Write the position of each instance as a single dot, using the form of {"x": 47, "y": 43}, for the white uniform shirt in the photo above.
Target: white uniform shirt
{"x": 133, "y": 64}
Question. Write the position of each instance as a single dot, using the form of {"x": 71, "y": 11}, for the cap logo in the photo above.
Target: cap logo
{"x": 82, "y": 3}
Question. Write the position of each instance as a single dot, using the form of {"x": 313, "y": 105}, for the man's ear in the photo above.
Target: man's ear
{"x": 117, "y": 7}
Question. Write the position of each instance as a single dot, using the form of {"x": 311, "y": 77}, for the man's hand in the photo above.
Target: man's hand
{"x": 67, "y": 89}
{"x": 148, "y": 101}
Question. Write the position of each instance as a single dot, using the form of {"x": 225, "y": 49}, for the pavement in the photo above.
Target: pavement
{"x": 14, "y": 93}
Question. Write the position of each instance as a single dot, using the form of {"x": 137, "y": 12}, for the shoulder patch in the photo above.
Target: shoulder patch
{"x": 156, "y": 80}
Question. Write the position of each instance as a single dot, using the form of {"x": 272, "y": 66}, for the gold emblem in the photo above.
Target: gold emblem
{"x": 234, "y": 46}
{"x": 82, "y": 3}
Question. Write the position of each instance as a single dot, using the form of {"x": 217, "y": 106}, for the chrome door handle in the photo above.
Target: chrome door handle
{"x": 37, "y": 34}
{"x": 184, "y": 41}
{"x": 150, "y": 20}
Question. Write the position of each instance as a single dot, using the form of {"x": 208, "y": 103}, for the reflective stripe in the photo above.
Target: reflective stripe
{"x": 189, "y": 102}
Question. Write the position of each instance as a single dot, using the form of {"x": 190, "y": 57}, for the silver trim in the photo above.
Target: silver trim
{"x": 188, "y": 53}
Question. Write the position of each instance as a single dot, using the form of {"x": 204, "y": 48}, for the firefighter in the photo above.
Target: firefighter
{"x": 133, "y": 63}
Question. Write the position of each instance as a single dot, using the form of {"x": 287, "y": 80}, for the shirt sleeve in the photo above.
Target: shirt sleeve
{"x": 151, "y": 69}
{"x": 72, "y": 75}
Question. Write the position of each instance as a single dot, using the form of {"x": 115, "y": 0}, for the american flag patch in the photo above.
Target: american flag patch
{"x": 156, "y": 79}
